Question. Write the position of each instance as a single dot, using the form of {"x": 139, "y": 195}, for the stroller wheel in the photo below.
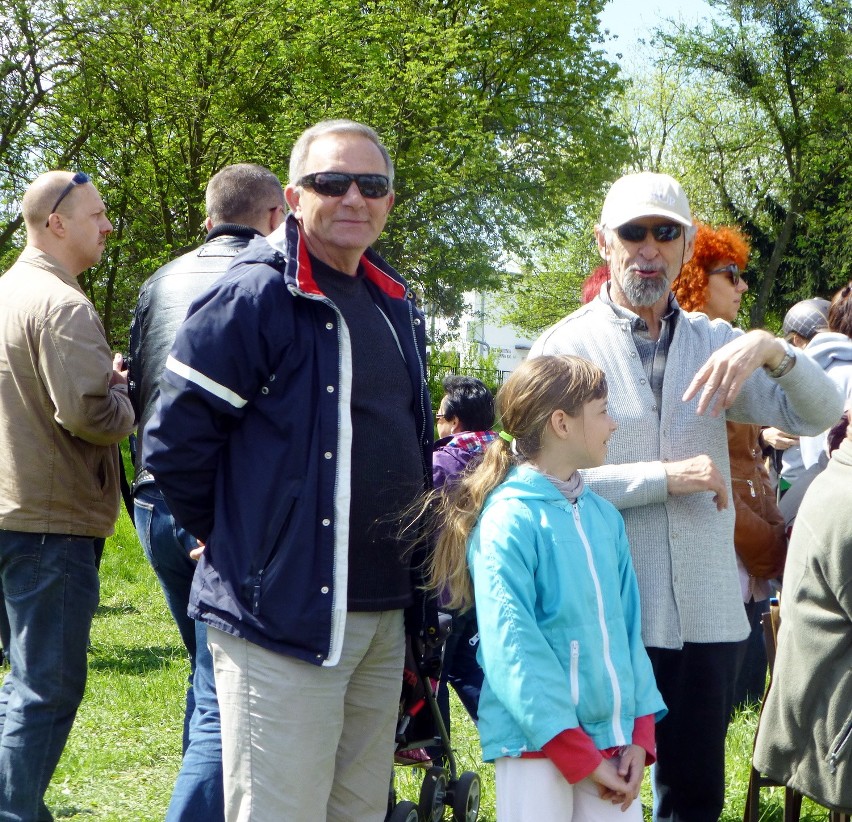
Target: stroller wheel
{"x": 432, "y": 795}
{"x": 404, "y": 812}
{"x": 466, "y": 798}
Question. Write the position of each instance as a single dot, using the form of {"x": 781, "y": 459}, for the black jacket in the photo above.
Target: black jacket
{"x": 163, "y": 302}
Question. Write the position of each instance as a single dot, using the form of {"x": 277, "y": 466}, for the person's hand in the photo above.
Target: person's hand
{"x": 777, "y": 439}
{"x": 196, "y": 553}
{"x": 611, "y": 786}
{"x": 119, "y": 372}
{"x": 694, "y": 475}
{"x": 631, "y": 767}
{"x": 723, "y": 375}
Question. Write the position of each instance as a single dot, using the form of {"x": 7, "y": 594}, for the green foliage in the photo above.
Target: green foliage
{"x": 446, "y": 361}
{"x": 549, "y": 287}
{"x": 755, "y": 121}
{"x": 494, "y": 112}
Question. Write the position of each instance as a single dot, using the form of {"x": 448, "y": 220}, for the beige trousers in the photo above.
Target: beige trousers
{"x": 303, "y": 743}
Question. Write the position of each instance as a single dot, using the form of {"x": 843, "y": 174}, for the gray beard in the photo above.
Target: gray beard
{"x": 644, "y": 292}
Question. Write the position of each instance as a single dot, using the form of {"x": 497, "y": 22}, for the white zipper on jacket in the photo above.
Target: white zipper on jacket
{"x": 617, "y": 730}
{"x": 575, "y": 672}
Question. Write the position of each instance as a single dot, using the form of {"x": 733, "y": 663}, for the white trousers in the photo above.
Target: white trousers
{"x": 302, "y": 743}
{"x": 534, "y": 790}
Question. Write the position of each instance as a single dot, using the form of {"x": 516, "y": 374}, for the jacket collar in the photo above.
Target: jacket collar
{"x": 41, "y": 259}
{"x": 290, "y": 241}
{"x": 231, "y": 230}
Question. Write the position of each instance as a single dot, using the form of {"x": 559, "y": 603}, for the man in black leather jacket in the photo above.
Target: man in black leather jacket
{"x": 243, "y": 201}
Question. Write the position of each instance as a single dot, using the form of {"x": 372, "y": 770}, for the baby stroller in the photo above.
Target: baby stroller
{"x": 420, "y": 725}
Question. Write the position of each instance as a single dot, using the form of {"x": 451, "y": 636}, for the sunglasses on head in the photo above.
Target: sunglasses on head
{"x": 635, "y": 233}
{"x": 732, "y": 271}
{"x": 78, "y": 179}
{"x": 336, "y": 184}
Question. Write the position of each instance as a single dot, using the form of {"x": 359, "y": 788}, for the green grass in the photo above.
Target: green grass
{"x": 124, "y": 751}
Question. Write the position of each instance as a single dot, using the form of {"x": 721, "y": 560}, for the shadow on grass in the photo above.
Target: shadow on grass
{"x": 124, "y": 660}
{"x": 68, "y": 813}
{"x": 112, "y": 610}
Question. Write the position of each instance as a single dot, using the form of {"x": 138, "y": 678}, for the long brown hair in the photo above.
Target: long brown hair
{"x": 525, "y": 402}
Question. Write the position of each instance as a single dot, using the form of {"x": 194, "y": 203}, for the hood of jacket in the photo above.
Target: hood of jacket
{"x": 525, "y": 483}
{"x": 829, "y": 347}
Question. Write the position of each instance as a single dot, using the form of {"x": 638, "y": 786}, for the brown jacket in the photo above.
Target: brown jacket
{"x": 59, "y": 418}
{"x": 760, "y": 539}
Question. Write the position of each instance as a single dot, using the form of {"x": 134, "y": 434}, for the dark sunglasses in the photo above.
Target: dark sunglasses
{"x": 336, "y": 184}
{"x": 732, "y": 271}
{"x": 635, "y": 233}
{"x": 79, "y": 178}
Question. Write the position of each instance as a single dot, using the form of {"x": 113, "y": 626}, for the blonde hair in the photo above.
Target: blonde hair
{"x": 525, "y": 402}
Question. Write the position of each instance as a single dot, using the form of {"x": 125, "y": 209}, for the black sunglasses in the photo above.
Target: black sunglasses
{"x": 635, "y": 233}
{"x": 336, "y": 184}
{"x": 79, "y": 178}
{"x": 732, "y": 271}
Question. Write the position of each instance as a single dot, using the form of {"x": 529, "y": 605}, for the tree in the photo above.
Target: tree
{"x": 34, "y": 37}
{"x": 778, "y": 151}
{"x": 494, "y": 112}
{"x": 550, "y": 287}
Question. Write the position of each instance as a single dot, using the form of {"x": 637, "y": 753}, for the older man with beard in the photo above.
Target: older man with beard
{"x": 674, "y": 379}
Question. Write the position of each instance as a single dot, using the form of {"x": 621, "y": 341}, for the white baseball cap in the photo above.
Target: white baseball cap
{"x": 645, "y": 195}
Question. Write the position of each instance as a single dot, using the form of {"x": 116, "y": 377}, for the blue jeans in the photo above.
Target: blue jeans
{"x": 51, "y": 589}
{"x": 167, "y": 547}
{"x": 198, "y": 795}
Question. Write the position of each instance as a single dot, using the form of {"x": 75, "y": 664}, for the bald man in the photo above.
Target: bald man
{"x": 63, "y": 409}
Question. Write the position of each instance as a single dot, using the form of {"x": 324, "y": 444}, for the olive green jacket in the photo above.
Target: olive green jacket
{"x": 805, "y": 734}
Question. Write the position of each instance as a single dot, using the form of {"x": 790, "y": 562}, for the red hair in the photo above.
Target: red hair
{"x": 711, "y": 246}
{"x": 592, "y": 284}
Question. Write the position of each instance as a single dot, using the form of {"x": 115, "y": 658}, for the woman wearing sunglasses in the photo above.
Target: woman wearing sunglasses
{"x": 712, "y": 282}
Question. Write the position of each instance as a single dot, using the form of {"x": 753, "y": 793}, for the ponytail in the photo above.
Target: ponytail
{"x": 459, "y": 508}
{"x": 525, "y": 402}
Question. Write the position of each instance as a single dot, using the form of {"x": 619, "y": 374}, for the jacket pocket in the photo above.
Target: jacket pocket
{"x": 277, "y": 528}
{"x": 840, "y": 747}
{"x": 575, "y": 672}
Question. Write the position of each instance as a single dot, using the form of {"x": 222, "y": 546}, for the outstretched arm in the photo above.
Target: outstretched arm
{"x": 721, "y": 378}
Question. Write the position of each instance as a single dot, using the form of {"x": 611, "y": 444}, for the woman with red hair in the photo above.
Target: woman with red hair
{"x": 712, "y": 282}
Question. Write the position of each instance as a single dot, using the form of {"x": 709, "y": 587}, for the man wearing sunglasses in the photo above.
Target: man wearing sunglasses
{"x": 243, "y": 201}
{"x": 294, "y": 427}
{"x": 63, "y": 409}
{"x": 674, "y": 378}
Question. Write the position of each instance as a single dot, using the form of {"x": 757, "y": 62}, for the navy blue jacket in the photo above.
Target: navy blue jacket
{"x": 250, "y": 442}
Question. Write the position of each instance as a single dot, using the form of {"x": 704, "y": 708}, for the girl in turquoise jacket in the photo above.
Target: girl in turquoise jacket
{"x": 569, "y": 701}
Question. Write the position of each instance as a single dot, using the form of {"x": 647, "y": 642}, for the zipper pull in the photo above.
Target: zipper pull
{"x": 255, "y": 594}
{"x": 751, "y": 488}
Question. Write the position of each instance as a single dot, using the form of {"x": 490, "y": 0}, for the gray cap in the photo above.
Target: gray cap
{"x": 806, "y": 318}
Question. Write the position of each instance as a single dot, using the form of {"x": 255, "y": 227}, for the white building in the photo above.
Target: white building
{"x": 480, "y": 327}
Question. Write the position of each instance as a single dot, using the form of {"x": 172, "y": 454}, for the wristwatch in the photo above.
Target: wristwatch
{"x": 788, "y": 361}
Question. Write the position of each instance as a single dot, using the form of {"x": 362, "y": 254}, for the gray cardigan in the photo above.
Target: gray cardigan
{"x": 805, "y": 734}
{"x": 683, "y": 548}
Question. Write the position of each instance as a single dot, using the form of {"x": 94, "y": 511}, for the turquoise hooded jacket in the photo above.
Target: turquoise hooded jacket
{"x": 559, "y": 620}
